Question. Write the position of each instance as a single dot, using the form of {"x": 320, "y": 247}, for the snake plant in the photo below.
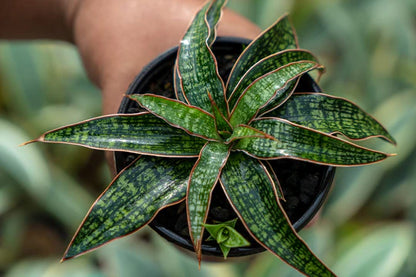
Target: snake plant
{"x": 218, "y": 133}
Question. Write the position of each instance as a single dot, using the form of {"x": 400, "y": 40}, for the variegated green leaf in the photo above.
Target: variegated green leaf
{"x": 213, "y": 15}
{"x": 274, "y": 178}
{"x": 266, "y": 65}
{"x": 223, "y": 126}
{"x": 269, "y": 86}
{"x": 131, "y": 201}
{"x": 254, "y": 199}
{"x": 297, "y": 142}
{"x": 177, "y": 84}
{"x": 203, "y": 178}
{"x": 197, "y": 66}
{"x": 192, "y": 119}
{"x": 141, "y": 133}
{"x": 278, "y": 37}
{"x": 244, "y": 131}
{"x": 331, "y": 115}
{"x": 276, "y": 102}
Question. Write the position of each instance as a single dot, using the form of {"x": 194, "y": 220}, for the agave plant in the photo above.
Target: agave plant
{"x": 221, "y": 134}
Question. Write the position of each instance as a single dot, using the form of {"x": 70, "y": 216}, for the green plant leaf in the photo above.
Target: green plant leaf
{"x": 213, "y": 15}
{"x": 197, "y": 66}
{"x": 255, "y": 201}
{"x": 297, "y": 142}
{"x": 203, "y": 178}
{"x": 229, "y": 238}
{"x": 213, "y": 229}
{"x": 177, "y": 84}
{"x": 226, "y": 236}
{"x": 274, "y": 178}
{"x": 267, "y": 65}
{"x": 222, "y": 235}
{"x": 278, "y": 37}
{"x": 234, "y": 238}
{"x": 276, "y": 102}
{"x": 245, "y": 131}
{"x": 332, "y": 115}
{"x": 269, "y": 86}
{"x": 225, "y": 250}
{"x": 357, "y": 186}
{"x": 131, "y": 201}
{"x": 223, "y": 126}
{"x": 192, "y": 119}
{"x": 141, "y": 133}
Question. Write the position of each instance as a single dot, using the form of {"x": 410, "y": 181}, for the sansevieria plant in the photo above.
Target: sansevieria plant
{"x": 220, "y": 134}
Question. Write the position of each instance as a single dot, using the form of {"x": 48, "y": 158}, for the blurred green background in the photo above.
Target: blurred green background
{"x": 367, "y": 227}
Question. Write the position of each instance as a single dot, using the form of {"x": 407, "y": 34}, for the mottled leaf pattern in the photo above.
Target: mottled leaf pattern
{"x": 198, "y": 72}
{"x": 131, "y": 201}
{"x": 177, "y": 85}
{"x": 213, "y": 15}
{"x": 254, "y": 199}
{"x": 223, "y": 126}
{"x": 297, "y": 142}
{"x": 191, "y": 119}
{"x": 274, "y": 178}
{"x": 270, "y": 86}
{"x": 332, "y": 115}
{"x": 266, "y": 65}
{"x": 138, "y": 133}
{"x": 244, "y": 131}
{"x": 200, "y": 124}
{"x": 201, "y": 183}
{"x": 276, "y": 101}
{"x": 278, "y": 37}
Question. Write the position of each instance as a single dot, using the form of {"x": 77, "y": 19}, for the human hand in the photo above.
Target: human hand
{"x": 118, "y": 38}
{"x": 115, "y": 39}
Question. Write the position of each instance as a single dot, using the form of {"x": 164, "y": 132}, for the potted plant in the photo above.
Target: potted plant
{"x": 217, "y": 135}
{"x": 304, "y": 185}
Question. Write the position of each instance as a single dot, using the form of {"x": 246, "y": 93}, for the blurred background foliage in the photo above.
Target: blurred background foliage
{"x": 367, "y": 227}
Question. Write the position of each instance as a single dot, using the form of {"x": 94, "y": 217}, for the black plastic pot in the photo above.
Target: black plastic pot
{"x": 305, "y": 185}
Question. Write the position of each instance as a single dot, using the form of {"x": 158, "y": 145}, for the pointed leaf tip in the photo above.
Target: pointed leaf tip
{"x": 162, "y": 182}
{"x": 197, "y": 64}
{"x": 279, "y": 36}
{"x": 142, "y": 133}
{"x": 331, "y": 115}
{"x": 303, "y": 143}
{"x": 28, "y": 142}
{"x": 203, "y": 178}
{"x": 267, "y": 223}
{"x": 272, "y": 85}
